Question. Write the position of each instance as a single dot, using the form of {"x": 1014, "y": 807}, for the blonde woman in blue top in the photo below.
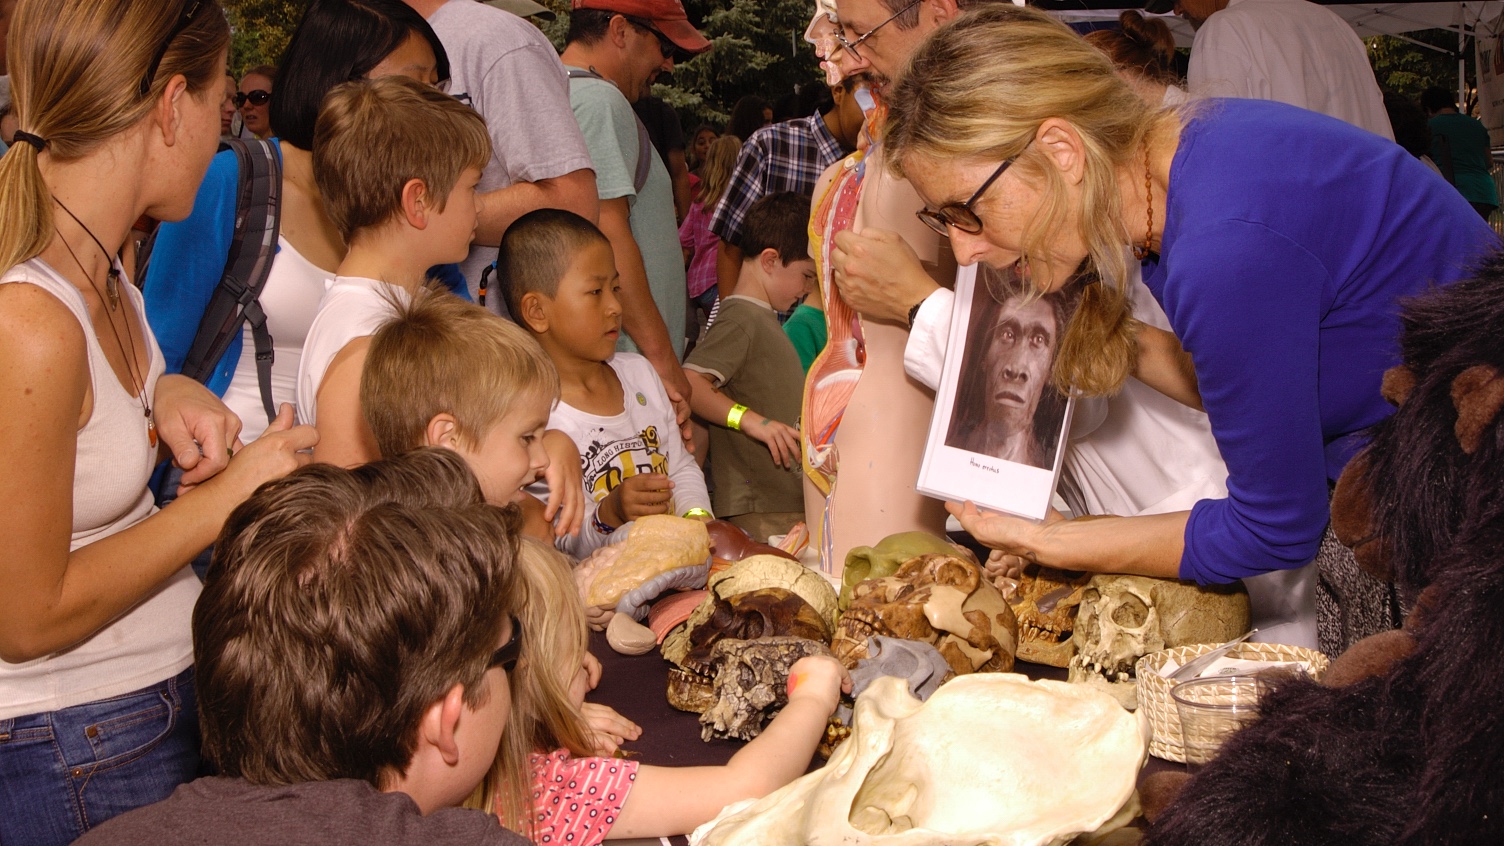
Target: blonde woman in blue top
{"x": 1278, "y": 241}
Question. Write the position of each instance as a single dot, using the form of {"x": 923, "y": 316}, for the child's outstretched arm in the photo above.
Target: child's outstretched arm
{"x": 675, "y": 800}
{"x": 712, "y": 406}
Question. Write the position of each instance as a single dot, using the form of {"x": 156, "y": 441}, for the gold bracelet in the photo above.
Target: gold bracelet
{"x": 734, "y": 417}
{"x": 697, "y": 512}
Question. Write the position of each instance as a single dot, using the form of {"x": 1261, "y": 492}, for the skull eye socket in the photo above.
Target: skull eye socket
{"x": 1131, "y": 614}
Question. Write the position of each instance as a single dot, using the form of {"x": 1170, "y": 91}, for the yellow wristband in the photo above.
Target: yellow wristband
{"x": 696, "y": 512}
{"x": 734, "y": 417}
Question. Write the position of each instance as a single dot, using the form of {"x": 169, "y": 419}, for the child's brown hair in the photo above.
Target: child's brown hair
{"x": 440, "y": 354}
{"x": 339, "y": 606}
{"x": 374, "y": 135}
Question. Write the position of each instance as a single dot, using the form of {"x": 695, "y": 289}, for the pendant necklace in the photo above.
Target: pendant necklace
{"x": 128, "y": 346}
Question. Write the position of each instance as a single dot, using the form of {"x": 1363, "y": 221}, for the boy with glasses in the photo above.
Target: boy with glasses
{"x": 353, "y": 644}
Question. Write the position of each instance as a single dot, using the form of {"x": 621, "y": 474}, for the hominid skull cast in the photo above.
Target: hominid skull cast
{"x": 1123, "y": 618}
{"x": 937, "y": 598}
{"x": 1045, "y": 603}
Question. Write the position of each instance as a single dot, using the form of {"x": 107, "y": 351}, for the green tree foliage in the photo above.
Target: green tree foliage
{"x": 1409, "y": 69}
{"x": 260, "y": 31}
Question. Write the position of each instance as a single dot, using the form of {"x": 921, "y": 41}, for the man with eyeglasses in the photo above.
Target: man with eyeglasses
{"x": 613, "y": 51}
{"x": 506, "y": 69}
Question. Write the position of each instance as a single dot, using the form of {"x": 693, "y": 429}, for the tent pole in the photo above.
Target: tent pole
{"x": 1462, "y": 69}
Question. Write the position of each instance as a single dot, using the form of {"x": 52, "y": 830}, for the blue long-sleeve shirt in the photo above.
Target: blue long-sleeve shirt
{"x": 1290, "y": 238}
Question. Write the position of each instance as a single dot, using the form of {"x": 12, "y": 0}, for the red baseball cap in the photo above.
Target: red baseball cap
{"x": 667, "y": 16}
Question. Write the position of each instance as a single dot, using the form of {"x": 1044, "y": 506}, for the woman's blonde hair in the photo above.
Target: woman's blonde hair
{"x": 544, "y": 717}
{"x": 77, "y": 71}
{"x": 979, "y": 88}
{"x": 720, "y": 163}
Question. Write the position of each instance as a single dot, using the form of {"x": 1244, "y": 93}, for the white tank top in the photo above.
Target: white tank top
{"x": 151, "y": 642}
{"x": 290, "y": 299}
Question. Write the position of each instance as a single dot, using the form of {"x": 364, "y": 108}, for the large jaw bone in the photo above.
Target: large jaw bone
{"x": 1045, "y": 603}
{"x": 984, "y": 761}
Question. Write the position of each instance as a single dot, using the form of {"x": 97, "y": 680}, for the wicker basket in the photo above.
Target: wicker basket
{"x": 1154, "y": 689}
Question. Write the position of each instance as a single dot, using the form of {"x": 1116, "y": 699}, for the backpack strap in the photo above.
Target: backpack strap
{"x": 645, "y": 150}
{"x": 236, "y": 301}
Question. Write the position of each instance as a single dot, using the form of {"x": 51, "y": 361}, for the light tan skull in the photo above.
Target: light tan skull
{"x": 1045, "y": 604}
{"x": 937, "y": 598}
{"x": 1123, "y": 618}
{"x": 991, "y": 758}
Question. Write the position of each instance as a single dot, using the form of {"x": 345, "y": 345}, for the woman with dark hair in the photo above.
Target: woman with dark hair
{"x": 119, "y": 116}
{"x": 337, "y": 41}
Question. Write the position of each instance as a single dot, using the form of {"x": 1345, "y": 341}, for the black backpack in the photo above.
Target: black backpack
{"x": 236, "y": 300}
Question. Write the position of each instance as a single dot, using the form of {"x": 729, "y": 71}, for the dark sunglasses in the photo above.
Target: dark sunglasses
{"x": 184, "y": 21}
{"x": 665, "y": 44}
{"x": 960, "y": 215}
{"x": 506, "y": 657}
{"x": 255, "y": 98}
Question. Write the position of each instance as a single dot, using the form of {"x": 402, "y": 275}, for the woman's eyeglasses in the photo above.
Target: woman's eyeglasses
{"x": 852, "y": 45}
{"x": 960, "y": 215}
{"x": 255, "y": 98}
{"x": 506, "y": 657}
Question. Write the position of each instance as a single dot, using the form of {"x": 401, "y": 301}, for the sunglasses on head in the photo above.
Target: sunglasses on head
{"x": 506, "y": 657}
{"x": 184, "y": 20}
{"x": 255, "y": 98}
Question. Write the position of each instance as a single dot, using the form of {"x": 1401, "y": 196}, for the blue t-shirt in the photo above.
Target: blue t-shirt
{"x": 1290, "y": 239}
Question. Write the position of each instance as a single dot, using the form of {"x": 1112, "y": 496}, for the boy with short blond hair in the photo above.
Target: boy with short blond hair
{"x": 352, "y": 647}
{"x": 444, "y": 372}
{"x": 558, "y": 275}
{"x": 746, "y": 377}
{"x": 397, "y": 163}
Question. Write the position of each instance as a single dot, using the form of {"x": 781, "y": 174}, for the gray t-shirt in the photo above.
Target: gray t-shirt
{"x": 610, "y": 128}
{"x": 505, "y": 68}
{"x": 232, "y": 812}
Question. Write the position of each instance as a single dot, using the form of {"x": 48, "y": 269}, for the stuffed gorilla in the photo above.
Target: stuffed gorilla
{"x": 1403, "y": 742}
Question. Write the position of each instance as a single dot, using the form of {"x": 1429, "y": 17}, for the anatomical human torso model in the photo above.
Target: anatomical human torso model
{"x": 865, "y": 420}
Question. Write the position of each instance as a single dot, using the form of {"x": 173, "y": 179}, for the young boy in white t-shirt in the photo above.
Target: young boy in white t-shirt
{"x": 559, "y": 278}
{"x": 397, "y": 163}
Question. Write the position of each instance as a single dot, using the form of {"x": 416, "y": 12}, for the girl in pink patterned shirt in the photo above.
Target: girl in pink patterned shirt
{"x": 580, "y": 795}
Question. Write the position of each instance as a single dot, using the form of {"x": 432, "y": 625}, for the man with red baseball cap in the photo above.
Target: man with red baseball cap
{"x": 613, "y": 51}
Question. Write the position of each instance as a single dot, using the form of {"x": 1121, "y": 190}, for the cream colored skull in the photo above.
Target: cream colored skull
{"x": 1123, "y": 618}
{"x": 990, "y": 759}
{"x": 937, "y": 598}
{"x": 1045, "y": 604}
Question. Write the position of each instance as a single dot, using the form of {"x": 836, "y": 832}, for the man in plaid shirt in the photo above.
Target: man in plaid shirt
{"x": 787, "y": 156}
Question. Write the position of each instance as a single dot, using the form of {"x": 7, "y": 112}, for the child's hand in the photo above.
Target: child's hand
{"x": 566, "y": 490}
{"x": 639, "y": 496}
{"x": 585, "y": 680}
{"x": 781, "y": 439}
{"x": 598, "y": 616}
{"x": 820, "y": 677}
{"x": 608, "y": 729}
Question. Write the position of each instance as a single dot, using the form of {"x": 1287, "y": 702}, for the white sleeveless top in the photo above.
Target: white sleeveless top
{"x": 151, "y": 642}
{"x": 290, "y": 299}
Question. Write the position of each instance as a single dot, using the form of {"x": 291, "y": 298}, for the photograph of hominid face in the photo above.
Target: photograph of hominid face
{"x": 1006, "y": 406}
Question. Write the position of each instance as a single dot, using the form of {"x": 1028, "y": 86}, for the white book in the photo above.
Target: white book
{"x": 998, "y": 435}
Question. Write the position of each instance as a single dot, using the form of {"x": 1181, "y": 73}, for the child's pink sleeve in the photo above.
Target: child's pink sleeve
{"x": 577, "y": 800}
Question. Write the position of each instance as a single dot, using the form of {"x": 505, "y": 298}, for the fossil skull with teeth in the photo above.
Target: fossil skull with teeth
{"x": 1045, "y": 603}
{"x": 938, "y": 598}
{"x": 1123, "y": 618}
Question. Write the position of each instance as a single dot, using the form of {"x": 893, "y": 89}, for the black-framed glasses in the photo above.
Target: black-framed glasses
{"x": 852, "y": 45}
{"x": 960, "y": 215}
{"x": 257, "y": 97}
{"x": 665, "y": 44}
{"x": 506, "y": 657}
{"x": 183, "y": 22}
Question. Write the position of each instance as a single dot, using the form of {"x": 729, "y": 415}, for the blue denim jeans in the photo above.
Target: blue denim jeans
{"x": 66, "y": 771}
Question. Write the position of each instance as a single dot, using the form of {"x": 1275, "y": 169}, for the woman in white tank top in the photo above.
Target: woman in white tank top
{"x": 118, "y": 110}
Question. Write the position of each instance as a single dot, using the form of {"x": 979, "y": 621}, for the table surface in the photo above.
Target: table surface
{"x": 635, "y": 686}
